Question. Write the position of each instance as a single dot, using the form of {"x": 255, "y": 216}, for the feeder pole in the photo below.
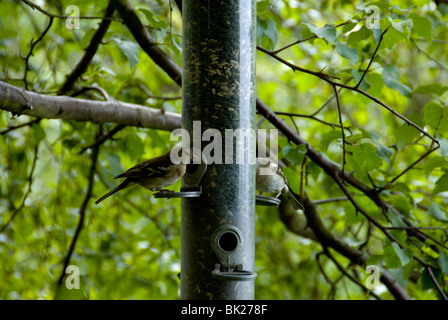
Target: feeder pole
{"x": 217, "y": 229}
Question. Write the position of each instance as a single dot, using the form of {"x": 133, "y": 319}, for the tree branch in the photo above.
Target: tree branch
{"x": 19, "y": 102}
{"x": 90, "y": 51}
{"x": 145, "y": 40}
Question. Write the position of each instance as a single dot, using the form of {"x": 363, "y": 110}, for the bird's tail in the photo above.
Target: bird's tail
{"x": 122, "y": 185}
{"x": 293, "y": 200}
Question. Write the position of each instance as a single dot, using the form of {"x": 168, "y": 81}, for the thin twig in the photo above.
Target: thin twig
{"x": 308, "y": 38}
{"x": 338, "y": 103}
{"x": 329, "y": 200}
{"x": 90, "y": 51}
{"x": 11, "y": 128}
{"x": 87, "y": 88}
{"x": 104, "y": 137}
{"x": 30, "y": 53}
{"x": 321, "y": 268}
{"x": 82, "y": 212}
{"x": 340, "y": 268}
{"x": 412, "y": 165}
{"x": 428, "y": 56}
{"x": 434, "y": 280}
{"x": 59, "y": 16}
{"x": 328, "y": 78}
{"x": 299, "y": 115}
{"x": 373, "y": 57}
{"x": 28, "y": 191}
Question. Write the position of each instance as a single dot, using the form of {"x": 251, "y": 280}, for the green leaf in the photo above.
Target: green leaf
{"x": 366, "y": 155}
{"x": 392, "y": 38}
{"x": 349, "y": 27}
{"x": 134, "y": 146}
{"x": 433, "y": 88}
{"x": 405, "y": 255}
{"x": 293, "y": 178}
{"x": 443, "y": 260}
{"x": 130, "y": 50}
{"x": 37, "y": 133}
{"x": 327, "y": 32}
{"x": 391, "y": 258}
{"x": 114, "y": 163}
{"x": 351, "y": 216}
{"x": 314, "y": 170}
{"x": 382, "y": 151}
{"x": 328, "y": 137}
{"x": 391, "y": 78}
{"x": 272, "y": 33}
{"x": 406, "y": 133}
{"x": 426, "y": 280}
{"x": 437, "y": 213}
{"x": 262, "y": 6}
{"x": 432, "y": 114}
{"x": 443, "y": 146}
{"x": 347, "y": 52}
{"x": 422, "y": 26}
{"x": 441, "y": 184}
{"x": 294, "y": 154}
{"x": 267, "y": 33}
{"x": 436, "y": 162}
{"x": 356, "y": 37}
{"x": 153, "y": 22}
{"x": 403, "y": 205}
{"x": 396, "y": 219}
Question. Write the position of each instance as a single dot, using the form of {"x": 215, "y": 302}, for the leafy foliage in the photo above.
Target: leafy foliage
{"x": 133, "y": 241}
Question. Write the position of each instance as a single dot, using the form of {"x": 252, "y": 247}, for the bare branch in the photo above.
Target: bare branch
{"x": 90, "y": 51}
{"x": 33, "y": 104}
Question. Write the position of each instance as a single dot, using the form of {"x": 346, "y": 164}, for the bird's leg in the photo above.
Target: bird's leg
{"x": 278, "y": 194}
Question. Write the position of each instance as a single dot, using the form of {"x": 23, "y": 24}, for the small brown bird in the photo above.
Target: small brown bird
{"x": 154, "y": 174}
{"x": 270, "y": 178}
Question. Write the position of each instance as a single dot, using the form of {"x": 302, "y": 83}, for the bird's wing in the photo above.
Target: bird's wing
{"x": 156, "y": 167}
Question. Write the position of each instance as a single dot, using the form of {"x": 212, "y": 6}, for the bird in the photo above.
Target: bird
{"x": 270, "y": 178}
{"x": 154, "y": 174}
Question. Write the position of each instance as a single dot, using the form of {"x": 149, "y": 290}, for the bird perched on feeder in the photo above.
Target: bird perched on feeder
{"x": 154, "y": 174}
{"x": 270, "y": 178}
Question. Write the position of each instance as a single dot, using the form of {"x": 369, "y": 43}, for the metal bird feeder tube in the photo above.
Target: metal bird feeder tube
{"x": 217, "y": 232}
